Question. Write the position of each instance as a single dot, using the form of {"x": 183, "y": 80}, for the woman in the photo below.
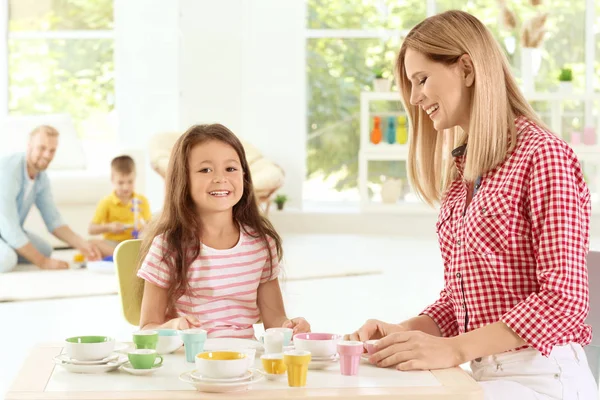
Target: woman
{"x": 513, "y": 225}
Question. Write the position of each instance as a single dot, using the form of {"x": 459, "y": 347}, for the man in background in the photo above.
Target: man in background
{"x": 23, "y": 182}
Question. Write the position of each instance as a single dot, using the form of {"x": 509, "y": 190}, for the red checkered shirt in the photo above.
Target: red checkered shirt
{"x": 517, "y": 253}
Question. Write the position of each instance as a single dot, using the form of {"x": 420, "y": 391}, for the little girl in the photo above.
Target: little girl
{"x": 212, "y": 260}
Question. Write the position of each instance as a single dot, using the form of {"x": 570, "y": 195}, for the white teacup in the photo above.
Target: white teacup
{"x": 273, "y": 342}
{"x": 287, "y": 334}
{"x": 168, "y": 341}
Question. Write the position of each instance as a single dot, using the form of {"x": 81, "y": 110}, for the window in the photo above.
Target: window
{"x": 60, "y": 60}
{"x": 347, "y": 40}
{"x": 596, "y": 39}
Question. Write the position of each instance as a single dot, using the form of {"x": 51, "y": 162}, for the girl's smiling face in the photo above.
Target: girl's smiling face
{"x": 216, "y": 177}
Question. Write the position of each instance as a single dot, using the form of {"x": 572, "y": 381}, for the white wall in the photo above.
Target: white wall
{"x": 147, "y": 77}
{"x": 274, "y": 86}
{"x": 237, "y": 62}
{"x": 3, "y": 58}
{"x": 211, "y": 63}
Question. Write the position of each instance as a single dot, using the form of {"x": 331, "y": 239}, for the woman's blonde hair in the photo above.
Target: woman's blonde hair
{"x": 496, "y": 102}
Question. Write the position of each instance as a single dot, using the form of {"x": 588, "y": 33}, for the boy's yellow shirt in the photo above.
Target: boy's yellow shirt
{"x": 112, "y": 209}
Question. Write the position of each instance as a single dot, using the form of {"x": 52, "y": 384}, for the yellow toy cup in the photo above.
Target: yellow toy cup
{"x": 296, "y": 362}
{"x": 273, "y": 363}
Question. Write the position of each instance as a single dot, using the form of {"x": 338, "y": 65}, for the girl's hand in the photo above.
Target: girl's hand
{"x": 299, "y": 325}
{"x": 182, "y": 323}
{"x": 413, "y": 350}
{"x": 374, "y": 329}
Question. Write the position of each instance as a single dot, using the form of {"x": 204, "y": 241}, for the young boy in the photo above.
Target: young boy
{"x": 115, "y": 217}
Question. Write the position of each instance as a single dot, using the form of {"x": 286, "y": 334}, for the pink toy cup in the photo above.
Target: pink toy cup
{"x": 370, "y": 346}
{"x": 350, "y": 352}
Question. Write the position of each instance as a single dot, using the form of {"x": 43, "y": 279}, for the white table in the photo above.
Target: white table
{"x": 40, "y": 378}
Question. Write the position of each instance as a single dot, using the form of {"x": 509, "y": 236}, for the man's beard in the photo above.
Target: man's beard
{"x": 41, "y": 165}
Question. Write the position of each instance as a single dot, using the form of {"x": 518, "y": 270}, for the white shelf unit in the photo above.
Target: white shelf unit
{"x": 399, "y": 152}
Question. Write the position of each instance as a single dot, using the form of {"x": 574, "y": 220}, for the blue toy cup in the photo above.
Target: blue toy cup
{"x": 193, "y": 340}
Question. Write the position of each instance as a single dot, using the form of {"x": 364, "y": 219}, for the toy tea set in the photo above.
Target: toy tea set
{"x": 221, "y": 364}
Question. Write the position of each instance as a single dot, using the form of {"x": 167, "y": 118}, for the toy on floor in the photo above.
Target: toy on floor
{"x": 106, "y": 265}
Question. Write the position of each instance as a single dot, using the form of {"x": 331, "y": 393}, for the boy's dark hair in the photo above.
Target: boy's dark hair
{"x": 123, "y": 165}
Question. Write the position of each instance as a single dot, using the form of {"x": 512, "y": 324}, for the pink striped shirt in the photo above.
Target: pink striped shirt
{"x": 223, "y": 284}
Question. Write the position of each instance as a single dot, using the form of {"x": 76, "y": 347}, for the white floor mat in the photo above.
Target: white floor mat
{"x": 305, "y": 257}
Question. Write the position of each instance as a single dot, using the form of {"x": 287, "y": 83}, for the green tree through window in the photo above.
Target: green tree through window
{"x": 339, "y": 68}
{"x": 69, "y": 74}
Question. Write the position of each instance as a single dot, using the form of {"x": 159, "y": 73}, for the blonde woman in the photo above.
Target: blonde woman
{"x": 513, "y": 225}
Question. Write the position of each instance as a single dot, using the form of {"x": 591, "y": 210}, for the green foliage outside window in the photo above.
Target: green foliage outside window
{"x": 339, "y": 69}
{"x": 70, "y": 75}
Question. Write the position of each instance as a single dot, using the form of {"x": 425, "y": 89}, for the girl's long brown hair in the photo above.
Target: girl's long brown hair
{"x": 179, "y": 222}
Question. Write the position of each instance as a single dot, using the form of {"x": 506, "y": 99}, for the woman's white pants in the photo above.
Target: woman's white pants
{"x": 527, "y": 374}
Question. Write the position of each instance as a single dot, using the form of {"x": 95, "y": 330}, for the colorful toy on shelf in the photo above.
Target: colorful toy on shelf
{"x": 589, "y": 136}
{"x": 390, "y": 134}
{"x": 376, "y": 134}
{"x": 402, "y": 130}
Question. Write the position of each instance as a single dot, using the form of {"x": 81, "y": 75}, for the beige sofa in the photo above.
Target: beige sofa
{"x": 267, "y": 176}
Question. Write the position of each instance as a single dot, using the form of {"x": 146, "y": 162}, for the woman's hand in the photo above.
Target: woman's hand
{"x": 374, "y": 329}
{"x": 415, "y": 350}
{"x": 298, "y": 324}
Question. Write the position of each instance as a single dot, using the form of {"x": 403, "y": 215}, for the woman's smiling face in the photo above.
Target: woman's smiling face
{"x": 442, "y": 91}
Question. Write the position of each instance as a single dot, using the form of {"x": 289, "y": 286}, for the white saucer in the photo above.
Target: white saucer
{"x": 91, "y": 369}
{"x": 323, "y": 362}
{"x": 273, "y": 377}
{"x": 65, "y": 358}
{"x": 196, "y": 376}
{"x": 128, "y": 368}
{"x": 214, "y": 387}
